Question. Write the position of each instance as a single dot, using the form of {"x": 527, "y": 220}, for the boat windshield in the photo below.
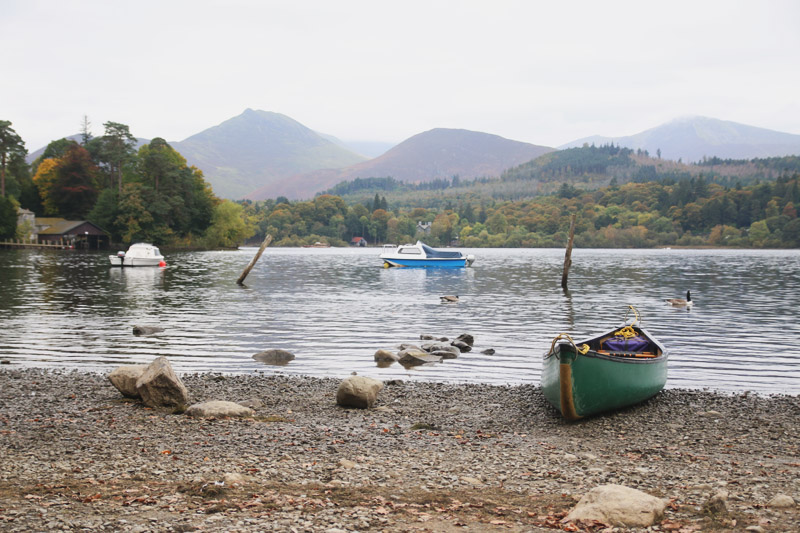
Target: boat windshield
{"x": 430, "y": 252}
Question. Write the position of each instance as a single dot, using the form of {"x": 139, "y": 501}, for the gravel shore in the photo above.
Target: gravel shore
{"x": 77, "y": 456}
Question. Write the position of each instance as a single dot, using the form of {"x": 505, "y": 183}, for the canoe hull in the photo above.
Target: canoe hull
{"x": 581, "y": 385}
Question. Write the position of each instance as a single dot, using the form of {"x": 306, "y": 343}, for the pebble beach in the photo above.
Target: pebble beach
{"x": 78, "y": 456}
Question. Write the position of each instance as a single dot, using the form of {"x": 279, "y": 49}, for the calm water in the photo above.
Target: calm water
{"x": 334, "y": 307}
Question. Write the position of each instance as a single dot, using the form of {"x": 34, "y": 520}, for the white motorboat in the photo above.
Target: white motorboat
{"x": 422, "y": 255}
{"x": 139, "y": 254}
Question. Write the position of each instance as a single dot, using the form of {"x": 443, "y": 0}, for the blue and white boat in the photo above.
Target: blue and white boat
{"x": 422, "y": 255}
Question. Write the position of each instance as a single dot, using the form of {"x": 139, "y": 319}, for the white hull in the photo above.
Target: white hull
{"x": 139, "y": 254}
{"x": 135, "y": 261}
{"x": 421, "y": 255}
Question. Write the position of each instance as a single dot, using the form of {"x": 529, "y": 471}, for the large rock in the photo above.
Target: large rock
{"x": 274, "y": 357}
{"x": 412, "y": 357}
{"x": 159, "y": 386}
{"x": 124, "y": 378}
{"x": 434, "y": 346}
{"x": 358, "y": 391}
{"x": 618, "y": 506}
{"x": 218, "y": 409}
{"x": 461, "y": 345}
{"x": 385, "y": 356}
{"x": 466, "y": 338}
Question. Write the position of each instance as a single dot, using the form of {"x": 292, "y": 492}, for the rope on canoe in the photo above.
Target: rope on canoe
{"x": 628, "y": 332}
{"x": 582, "y": 350}
{"x": 637, "y": 318}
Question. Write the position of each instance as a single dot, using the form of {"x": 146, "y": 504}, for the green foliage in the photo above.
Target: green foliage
{"x": 149, "y": 195}
{"x": 8, "y": 217}
{"x": 688, "y": 212}
{"x": 228, "y": 226}
{"x": 11, "y": 149}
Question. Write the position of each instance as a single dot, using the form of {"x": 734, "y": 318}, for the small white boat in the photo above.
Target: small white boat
{"x": 422, "y": 255}
{"x": 139, "y": 254}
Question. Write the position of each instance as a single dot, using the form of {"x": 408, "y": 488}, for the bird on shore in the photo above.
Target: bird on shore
{"x": 449, "y": 299}
{"x": 680, "y": 302}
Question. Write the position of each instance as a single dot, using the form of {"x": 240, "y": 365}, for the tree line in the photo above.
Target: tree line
{"x": 145, "y": 193}
{"x": 687, "y": 212}
{"x": 621, "y": 198}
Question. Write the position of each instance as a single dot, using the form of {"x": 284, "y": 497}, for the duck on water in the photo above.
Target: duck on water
{"x": 680, "y": 302}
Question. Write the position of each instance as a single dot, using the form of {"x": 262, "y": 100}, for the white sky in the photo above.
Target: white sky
{"x": 544, "y": 72}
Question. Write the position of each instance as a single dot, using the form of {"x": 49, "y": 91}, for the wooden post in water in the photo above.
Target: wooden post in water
{"x": 246, "y": 271}
{"x": 568, "y": 255}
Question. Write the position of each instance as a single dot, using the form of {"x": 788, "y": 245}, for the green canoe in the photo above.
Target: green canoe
{"x": 606, "y": 372}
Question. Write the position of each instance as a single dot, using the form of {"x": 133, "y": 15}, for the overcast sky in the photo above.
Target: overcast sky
{"x": 543, "y": 72}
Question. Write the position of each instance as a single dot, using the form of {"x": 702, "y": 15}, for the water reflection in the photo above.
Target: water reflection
{"x": 334, "y": 308}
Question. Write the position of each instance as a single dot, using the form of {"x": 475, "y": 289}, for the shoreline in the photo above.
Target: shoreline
{"x": 428, "y": 457}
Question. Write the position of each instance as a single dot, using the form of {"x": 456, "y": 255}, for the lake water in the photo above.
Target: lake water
{"x": 333, "y": 308}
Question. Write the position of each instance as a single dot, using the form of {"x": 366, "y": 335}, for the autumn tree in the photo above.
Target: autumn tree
{"x": 68, "y": 185}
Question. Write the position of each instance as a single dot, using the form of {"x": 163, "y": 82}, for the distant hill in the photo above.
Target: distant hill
{"x": 693, "y": 138}
{"x": 434, "y": 154}
{"x": 259, "y": 149}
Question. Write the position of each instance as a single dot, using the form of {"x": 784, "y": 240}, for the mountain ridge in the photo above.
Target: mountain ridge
{"x": 258, "y": 148}
{"x": 426, "y": 156}
{"x": 692, "y": 138}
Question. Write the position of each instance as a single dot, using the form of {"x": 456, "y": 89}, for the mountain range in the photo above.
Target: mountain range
{"x": 690, "y": 139}
{"x": 260, "y": 154}
{"x": 435, "y": 154}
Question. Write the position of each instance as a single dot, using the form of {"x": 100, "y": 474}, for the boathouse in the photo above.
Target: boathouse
{"x": 71, "y": 233}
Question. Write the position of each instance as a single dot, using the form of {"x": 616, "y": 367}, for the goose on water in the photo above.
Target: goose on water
{"x": 449, "y": 299}
{"x": 680, "y": 302}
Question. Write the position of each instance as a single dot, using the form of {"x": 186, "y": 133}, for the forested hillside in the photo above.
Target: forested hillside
{"x": 677, "y": 208}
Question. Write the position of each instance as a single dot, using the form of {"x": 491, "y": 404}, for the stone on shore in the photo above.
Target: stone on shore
{"x": 274, "y": 356}
{"x": 716, "y": 505}
{"x": 218, "y": 409}
{"x": 781, "y": 501}
{"x": 358, "y": 391}
{"x": 159, "y": 386}
{"x": 618, "y": 506}
{"x": 146, "y": 330}
{"x": 124, "y": 378}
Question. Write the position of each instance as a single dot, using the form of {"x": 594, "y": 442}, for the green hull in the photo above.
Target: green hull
{"x": 581, "y": 385}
